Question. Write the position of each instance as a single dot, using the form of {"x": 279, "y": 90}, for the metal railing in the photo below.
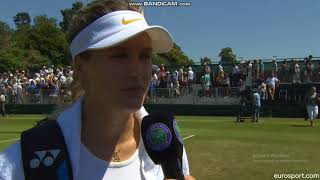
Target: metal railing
{"x": 41, "y": 96}
{"x": 193, "y": 95}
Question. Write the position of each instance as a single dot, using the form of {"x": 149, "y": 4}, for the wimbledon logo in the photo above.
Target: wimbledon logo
{"x": 158, "y": 137}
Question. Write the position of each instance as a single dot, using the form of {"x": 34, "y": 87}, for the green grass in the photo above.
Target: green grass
{"x": 224, "y": 150}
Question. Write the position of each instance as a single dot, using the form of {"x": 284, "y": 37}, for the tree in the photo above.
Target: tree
{"x": 67, "y": 15}
{"x": 205, "y": 60}
{"x": 22, "y": 20}
{"x": 47, "y": 38}
{"x": 15, "y": 58}
{"x": 23, "y": 23}
{"x": 5, "y": 35}
{"x": 157, "y": 60}
{"x": 176, "y": 57}
{"x": 227, "y": 56}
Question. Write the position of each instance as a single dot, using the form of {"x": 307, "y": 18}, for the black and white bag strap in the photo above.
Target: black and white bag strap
{"x": 44, "y": 152}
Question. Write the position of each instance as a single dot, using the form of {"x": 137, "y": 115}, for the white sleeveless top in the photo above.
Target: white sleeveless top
{"x": 91, "y": 167}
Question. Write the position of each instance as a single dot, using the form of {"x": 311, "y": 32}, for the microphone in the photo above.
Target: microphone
{"x": 163, "y": 142}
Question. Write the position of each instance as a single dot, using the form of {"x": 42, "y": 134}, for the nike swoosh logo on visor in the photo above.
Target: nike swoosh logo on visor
{"x": 126, "y": 22}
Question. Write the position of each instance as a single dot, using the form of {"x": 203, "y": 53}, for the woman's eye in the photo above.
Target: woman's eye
{"x": 146, "y": 56}
{"x": 119, "y": 56}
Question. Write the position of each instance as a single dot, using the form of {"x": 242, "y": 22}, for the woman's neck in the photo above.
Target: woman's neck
{"x": 106, "y": 130}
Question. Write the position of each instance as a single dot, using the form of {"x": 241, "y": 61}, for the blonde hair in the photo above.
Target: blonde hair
{"x": 82, "y": 19}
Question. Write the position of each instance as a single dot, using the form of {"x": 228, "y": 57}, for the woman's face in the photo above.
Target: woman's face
{"x": 119, "y": 76}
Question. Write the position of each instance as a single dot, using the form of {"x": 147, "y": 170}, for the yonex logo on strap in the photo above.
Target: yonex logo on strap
{"x": 46, "y": 157}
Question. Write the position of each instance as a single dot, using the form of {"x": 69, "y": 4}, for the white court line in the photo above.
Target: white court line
{"x": 9, "y": 140}
{"x": 188, "y": 137}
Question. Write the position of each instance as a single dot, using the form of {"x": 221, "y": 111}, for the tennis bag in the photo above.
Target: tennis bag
{"x": 44, "y": 152}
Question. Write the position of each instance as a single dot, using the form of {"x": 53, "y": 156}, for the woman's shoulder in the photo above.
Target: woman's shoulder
{"x": 11, "y": 162}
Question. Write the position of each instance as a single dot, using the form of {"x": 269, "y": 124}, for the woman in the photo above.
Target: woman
{"x": 311, "y": 99}
{"x": 111, "y": 48}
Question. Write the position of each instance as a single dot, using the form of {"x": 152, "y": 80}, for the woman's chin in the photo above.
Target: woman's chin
{"x": 131, "y": 104}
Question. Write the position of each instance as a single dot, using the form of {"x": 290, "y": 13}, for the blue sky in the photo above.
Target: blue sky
{"x": 252, "y": 28}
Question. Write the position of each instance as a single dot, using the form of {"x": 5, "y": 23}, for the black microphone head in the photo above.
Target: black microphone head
{"x": 161, "y": 137}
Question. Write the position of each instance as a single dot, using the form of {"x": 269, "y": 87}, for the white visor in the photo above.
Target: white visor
{"x": 116, "y": 27}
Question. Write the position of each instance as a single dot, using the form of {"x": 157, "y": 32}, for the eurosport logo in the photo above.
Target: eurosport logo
{"x": 160, "y": 4}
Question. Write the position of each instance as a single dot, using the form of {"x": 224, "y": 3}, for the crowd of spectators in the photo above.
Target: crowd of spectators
{"x": 52, "y": 84}
{"x": 47, "y": 85}
{"x": 178, "y": 82}
{"x": 253, "y": 74}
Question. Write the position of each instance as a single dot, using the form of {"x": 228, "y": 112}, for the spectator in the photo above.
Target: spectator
{"x": 307, "y": 72}
{"x": 54, "y": 87}
{"x": 174, "y": 78}
{"x": 176, "y": 89}
{"x": 180, "y": 76}
{"x": 296, "y": 75}
{"x": 226, "y": 85}
{"x": 256, "y": 104}
{"x": 256, "y": 70}
{"x": 272, "y": 81}
{"x": 162, "y": 72}
{"x": 19, "y": 94}
{"x": 152, "y": 87}
{"x": 263, "y": 93}
{"x": 249, "y": 74}
{"x": 8, "y": 92}
{"x": 14, "y": 90}
{"x": 311, "y": 100}
{"x": 168, "y": 79}
{"x": 274, "y": 67}
{"x": 2, "y": 104}
{"x": 190, "y": 79}
{"x": 184, "y": 83}
{"x": 318, "y": 72}
{"x": 284, "y": 71}
{"x": 260, "y": 80}
{"x": 207, "y": 83}
{"x": 163, "y": 85}
{"x": 206, "y": 68}
{"x": 235, "y": 75}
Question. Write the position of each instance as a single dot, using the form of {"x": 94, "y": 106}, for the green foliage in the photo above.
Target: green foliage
{"x": 5, "y": 35}
{"x": 15, "y": 58}
{"x": 156, "y": 59}
{"x": 205, "y": 60}
{"x": 176, "y": 57}
{"x": 45, "y": 42}
{"x": 227, "y": 56}
{"x": 49, "y": 40}
{"x": 22, "y": 20}
{"x": 67, "y": 15}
